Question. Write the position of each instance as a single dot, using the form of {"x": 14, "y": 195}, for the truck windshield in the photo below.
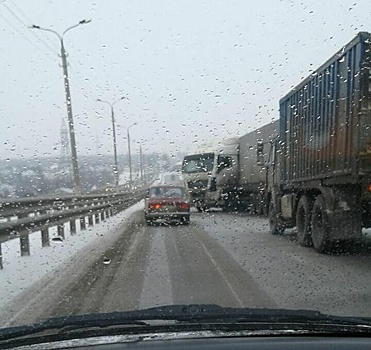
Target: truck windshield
{"x": 200, "y": 163}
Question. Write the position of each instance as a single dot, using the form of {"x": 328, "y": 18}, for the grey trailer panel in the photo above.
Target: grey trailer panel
{"x": 251, "y": 175}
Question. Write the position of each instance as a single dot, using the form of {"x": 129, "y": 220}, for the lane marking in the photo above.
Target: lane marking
{"x": 157, "y": 289}
{"x": 234, "y": 293}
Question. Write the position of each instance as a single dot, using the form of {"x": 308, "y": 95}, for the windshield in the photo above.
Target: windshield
{"x": 106, "y": 105}
{"x": 201, "y": 163}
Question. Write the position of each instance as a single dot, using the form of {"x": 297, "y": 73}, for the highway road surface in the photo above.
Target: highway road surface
{"x": 228, "y": 259}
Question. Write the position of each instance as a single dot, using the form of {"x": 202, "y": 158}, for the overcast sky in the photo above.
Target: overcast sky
{"x": 193, "y": 70}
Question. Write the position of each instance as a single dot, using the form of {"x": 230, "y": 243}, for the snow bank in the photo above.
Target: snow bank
{"x": 20, "y": 272}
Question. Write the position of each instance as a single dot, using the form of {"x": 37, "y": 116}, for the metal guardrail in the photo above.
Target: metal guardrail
{"x": 20, "y": 217}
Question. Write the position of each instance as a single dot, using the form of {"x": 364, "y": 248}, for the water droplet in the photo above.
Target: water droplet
{"x": 57, "y": 239}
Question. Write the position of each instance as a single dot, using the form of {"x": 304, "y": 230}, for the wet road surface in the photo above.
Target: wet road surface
{"x": 223, "y": 258}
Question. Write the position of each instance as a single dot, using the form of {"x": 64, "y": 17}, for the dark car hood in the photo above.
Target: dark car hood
{"x": 185, "y": 321}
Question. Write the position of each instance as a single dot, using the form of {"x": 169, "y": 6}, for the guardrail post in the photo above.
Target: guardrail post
{"x": 96, "y": 218}
{"x": 60, "y": 230}
{"x": 45, "y": 237}
{"x": 82, "y": 223}
{"x": 73, "y": 226}
{"x": 25, "y": 244}
{"x": 1, "y": 258}
{"x": 90, "y": 220}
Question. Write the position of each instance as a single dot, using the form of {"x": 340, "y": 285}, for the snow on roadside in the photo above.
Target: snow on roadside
{"x": 20, "y": 272}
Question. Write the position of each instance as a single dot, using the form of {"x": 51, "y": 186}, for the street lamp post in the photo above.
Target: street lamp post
{"x": 115, "y": 170}
{"x": 129, "y": 151}
{"x": 141, "y": 163}
{"x": 75, "y": 165}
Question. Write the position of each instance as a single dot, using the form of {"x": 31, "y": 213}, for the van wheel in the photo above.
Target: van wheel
{"x": 275, "y": 228}
{"x": 320, "y": 225}
{"x": 303, "y": 222}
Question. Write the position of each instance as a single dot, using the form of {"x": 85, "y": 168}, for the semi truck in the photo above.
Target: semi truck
{"x": 318, "y": 168}
{"x": 210, "y": 166}
{"x": 227, "y": 175}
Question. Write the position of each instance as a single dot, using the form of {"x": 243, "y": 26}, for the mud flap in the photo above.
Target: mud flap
{"x": 345, "y": 220}
{"x": 345, "y": 225}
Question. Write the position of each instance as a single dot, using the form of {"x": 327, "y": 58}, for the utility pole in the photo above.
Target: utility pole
{"x": 115, "y": 166}
{"x": 75, "y": 165}
{"x": 64, "y": 164}
{"x": 141, "y": 163}
{"x": 129, "y": 151}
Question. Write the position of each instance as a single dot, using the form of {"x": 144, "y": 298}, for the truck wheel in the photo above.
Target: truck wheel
{"x": 275, "y": 228}
{"x": 231, "y": 204}
{"x": 200, "y": 207}
{"x": 259, "y": 204}
{"x": 266, "y": 203}
{"x": 227, "y": 204}
{"x": 320, "y": 226}
{"x": 303, "y": 222}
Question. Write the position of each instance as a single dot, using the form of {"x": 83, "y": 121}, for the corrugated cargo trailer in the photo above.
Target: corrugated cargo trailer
{"x": 319, "y": 177}
{"x": 325, "y": 122}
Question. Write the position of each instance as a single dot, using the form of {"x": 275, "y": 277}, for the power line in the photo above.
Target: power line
{"x": 27, "y": 26}
{"x": 22, "y": 22}
{"x": 20, "y": 11}
{"x": 45, "y": 42}
{"x": 25, "y": 37}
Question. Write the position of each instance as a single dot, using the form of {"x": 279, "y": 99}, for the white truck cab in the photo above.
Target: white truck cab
{"x": 211, "y": 173}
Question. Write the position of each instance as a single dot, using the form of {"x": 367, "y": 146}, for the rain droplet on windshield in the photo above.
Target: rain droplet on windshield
{"x": 106, "y": 261}
{"x": 57, "y": 239}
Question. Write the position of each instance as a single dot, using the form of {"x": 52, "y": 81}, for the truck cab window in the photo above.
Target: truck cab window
{"x": 272, "y": 152}
{"x": 224, "y": 162}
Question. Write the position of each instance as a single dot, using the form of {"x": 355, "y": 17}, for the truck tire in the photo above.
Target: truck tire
{"x": 259, "y": 204}
{"x": 303, "y": 222}
{"x": 200, "y": 207}
{"x": 266, "y": 203}
{"x": 275, "y": 228}
{"x": 228, "y": 204}
{"x": 320, "y": 225}
{"x": 231, "y": 201}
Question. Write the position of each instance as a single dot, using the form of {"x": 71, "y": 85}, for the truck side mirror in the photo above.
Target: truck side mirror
{"x": 260, "y": 153}
{"x": 223, "y": 162}
{"x": 220, "y": 167}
